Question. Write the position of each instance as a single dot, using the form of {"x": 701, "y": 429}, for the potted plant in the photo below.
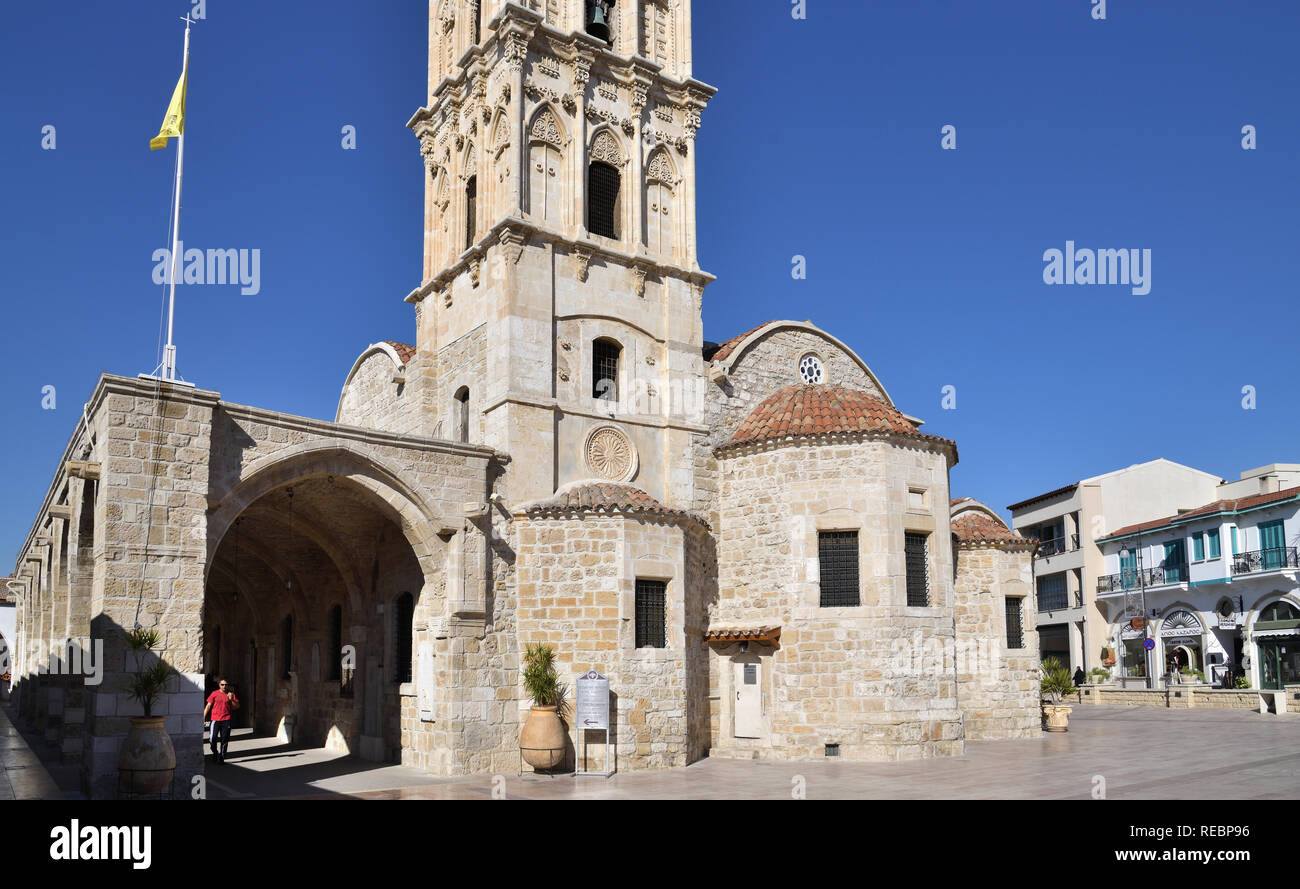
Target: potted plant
{"x": 1190, "y": 675}
{"x": 1099, "y": 675}
{"x": 1241, "y": 682}
{"x": 544, "y": 736}
{"x": 1056, "y": 684}
{"x": 147, "y": 759}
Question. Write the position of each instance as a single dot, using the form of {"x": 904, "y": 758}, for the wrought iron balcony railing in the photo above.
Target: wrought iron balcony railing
{"x": 1057, "y": 545}
{"x": 1265, "y": 560}
{"x": 1133, "y": 579}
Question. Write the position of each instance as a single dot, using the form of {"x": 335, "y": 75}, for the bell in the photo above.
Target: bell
{"x": 598, "y": 19}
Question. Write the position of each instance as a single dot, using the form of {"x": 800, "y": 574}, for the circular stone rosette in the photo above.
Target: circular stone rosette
{"x": 611, "y": 454}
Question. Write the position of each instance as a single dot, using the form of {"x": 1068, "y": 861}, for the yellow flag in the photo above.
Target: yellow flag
{"x": 174, "y": 122}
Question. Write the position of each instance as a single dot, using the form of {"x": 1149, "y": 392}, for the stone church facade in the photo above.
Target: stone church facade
{"x": 754, "y": 544}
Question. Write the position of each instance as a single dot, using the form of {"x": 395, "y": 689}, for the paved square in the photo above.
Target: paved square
{"x": 1142, "y": 753}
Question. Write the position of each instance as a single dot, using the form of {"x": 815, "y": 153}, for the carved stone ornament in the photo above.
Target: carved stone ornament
{"x": 607, "y": 91}
{"x": 581, "y": 260}
{"x": 605, "y": 148}
{"x": 581, "y": 73}
{"x": 570, "y": 104}
{"x": 640, "y": 94}
{"x": 446, "y": 298}
{"x": 611, "y": 454}
{"x": 660, "y": 169}
{"x": 546, "y": 129}
{"x": 475, "y": 269}
{"x": 629, "y": 128}
{"x": 549, "y": 66}
{"x": 638, "y": 277}
{"x": 516, "y": 51}
{"x": 512, "y": 243}
{"x": 504, "y": 98}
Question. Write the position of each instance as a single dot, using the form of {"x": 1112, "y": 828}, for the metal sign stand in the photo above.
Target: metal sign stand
{"x": 593, "y": 716}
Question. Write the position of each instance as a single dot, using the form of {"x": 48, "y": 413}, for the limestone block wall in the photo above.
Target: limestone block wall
{"x": 997, "y": 686}
{"x": 462, "y": 362}
{"x": 770, "y": 364}
{"x": 842, "y": 675}
{"x": 576, "y": 592}
{"x": 372, "y": 399}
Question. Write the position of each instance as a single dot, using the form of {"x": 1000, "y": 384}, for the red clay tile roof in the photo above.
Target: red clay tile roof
{"x": 722, "y": 351}
{"x": 612, "y": 497}
{"x": 976, "y": 527}
{"x": 769, "y": 635}
{"x": 1238, "y": 504}
{"x": 803, "y": 410}
{"x": 405, "y": 352}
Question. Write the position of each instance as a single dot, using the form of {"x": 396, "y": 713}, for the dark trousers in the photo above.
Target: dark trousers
{"x": 220, "y": 732}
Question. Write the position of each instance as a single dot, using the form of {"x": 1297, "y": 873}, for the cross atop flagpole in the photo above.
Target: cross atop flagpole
{"x": 174, "y": 124}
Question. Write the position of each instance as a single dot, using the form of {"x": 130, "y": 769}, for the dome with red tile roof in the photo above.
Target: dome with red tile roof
{"x": 803, "y": 410}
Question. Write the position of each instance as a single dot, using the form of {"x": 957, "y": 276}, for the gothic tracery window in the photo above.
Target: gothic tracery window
{"x": 659, "y": 204}
{"x": 603, "y": 184}
{"x": 545, "y": 168}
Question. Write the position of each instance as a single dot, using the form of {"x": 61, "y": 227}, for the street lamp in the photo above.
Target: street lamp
{"x": 1128, "y": 603}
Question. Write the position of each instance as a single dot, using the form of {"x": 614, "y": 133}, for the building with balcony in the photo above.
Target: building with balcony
{"x": 1068, "y": 521}
{"x": 1214, "y": 588}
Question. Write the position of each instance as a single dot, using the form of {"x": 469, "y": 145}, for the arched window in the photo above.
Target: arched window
{"x": 659, "y": 204}
{"x": 603, "y": 182}
{"x": 602, "y": 199}
{"x": 403, "y": 627}
{"x": 545, "y": 167}
{"x": 286, "y": 641}
{"x": 604, "y": 369}
{"x": 460, "y": 420}
{"x": 471, "y": 210}
{"x": 336, "y": 643}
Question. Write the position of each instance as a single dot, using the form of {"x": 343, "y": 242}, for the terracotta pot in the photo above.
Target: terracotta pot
{"x": 146, "y": 759}
{"x": 543, "y": 738}
{"x": 1057, "y": 717}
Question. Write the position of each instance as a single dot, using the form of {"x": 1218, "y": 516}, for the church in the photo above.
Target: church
{"x": 754, "y": 544}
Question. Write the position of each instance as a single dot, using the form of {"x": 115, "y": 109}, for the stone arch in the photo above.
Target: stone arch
{"x": 372, "y": 349}
{"x": 547, "y": 125}
{"x": 607, "y": 146}
{"x": 736, "y": 355}
{"x": 391, "y": 493}
{"x": 546, "y": 178}
{"x": 1266, "y": 600}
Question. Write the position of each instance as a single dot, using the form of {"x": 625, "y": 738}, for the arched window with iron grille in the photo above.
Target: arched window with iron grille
{"x": 603, "y": 182}
{"x": 403, "y": 627}
{"x": 605, "y": 356}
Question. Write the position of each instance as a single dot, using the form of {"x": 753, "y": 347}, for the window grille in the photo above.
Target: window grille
{"x": 404, "y": 621}
{"x": 1052, "y": 593}
{"x": 602, "y": 199}
{"x": 604, "y": 369}
{"x": 1015, "y": 631}
{"x": 471, "y": 210}
{"x": 651, "y": 614}
{"x": 837, "y": 556}
{"x": 916, "y": 548}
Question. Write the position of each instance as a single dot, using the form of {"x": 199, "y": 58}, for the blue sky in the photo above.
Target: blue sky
{"x": 824, "y": 141}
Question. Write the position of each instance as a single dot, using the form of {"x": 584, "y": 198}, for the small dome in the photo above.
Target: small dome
{"x": 804, "y": 410}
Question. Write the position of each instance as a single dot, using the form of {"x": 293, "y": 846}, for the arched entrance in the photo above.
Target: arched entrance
{"x": 309, "y": 605}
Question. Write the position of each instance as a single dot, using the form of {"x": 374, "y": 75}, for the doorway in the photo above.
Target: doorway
{"x": 749, "y": 697}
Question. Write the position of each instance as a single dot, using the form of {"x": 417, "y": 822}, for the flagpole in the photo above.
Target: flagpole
{"x": 169, "y": 351}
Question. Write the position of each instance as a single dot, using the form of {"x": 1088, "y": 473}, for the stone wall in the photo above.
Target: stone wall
{"x": 997, "y": 687}
{"x": 577, "y": 577}
{"x": 372, "y": 398}
{"x": 852, "y": 676}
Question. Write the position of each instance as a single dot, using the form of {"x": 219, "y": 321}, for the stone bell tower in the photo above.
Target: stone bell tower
{"x": 559, "y": 313}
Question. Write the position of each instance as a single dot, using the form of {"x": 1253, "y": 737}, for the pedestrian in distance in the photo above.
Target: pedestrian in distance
{"x": 221, "y": 706}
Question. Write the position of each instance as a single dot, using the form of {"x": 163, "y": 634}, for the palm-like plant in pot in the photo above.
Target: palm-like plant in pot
{"x": 147, "y": 759}
{"x": 544, "y": 736}
{"x": 1056, "y": 684}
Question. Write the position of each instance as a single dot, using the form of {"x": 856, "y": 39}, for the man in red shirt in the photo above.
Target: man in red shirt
{"x": 221, "y": 705}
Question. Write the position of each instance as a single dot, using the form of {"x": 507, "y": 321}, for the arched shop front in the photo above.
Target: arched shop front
{"x": 1276, "y": 634}
{"x": 1181, "y": 638}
